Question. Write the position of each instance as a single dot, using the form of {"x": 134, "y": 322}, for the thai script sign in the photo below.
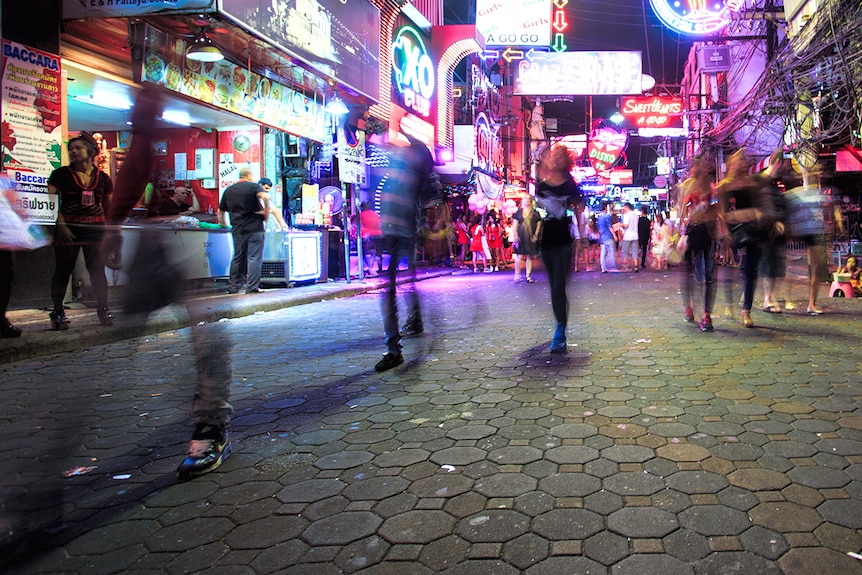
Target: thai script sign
{"x": 579, "y": 73}
{"x": 351, "y": 155}
{"x": 32, "y": 130}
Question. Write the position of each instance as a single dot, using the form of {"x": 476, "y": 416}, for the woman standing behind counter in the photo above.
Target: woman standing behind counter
{"x": 83, "y": 192}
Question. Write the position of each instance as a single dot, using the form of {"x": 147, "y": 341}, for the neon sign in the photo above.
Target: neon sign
{"x": 413, "y": 71}
{"x": 606, "y": 146}
{"x": 489, "y": 147}
{"x": 695, "y": 16}
{"x": 654, "y": 112}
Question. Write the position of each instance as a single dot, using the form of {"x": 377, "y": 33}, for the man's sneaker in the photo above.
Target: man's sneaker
{"x": 389, "y": 361}
{"x": 706, "y": 324}
{"x": 210, "y": 445}
{"x": 689, "y": 315}
{"x": 413, "y": 326}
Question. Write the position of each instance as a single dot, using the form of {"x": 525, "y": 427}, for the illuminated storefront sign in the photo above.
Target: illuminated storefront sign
{"x": 74, "y": 9}
{"x": 606, "y": 146}
{"x": 579, "y": 73}
{"x": 695, "y": 16}
{"x": 489, "y": 147}
{"x": 655, "y": 112}
{"x": 412, "y": 71}
{"x": 514, "y": 22}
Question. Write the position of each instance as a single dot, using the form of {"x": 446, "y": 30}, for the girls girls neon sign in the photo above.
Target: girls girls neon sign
{"x": 695, "y": 16}
{"x": 413, "y": 71}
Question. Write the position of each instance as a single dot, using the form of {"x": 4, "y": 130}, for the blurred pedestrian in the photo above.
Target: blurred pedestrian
{"x": 247, "y": 203}
{"x": 527, "y": 224}
{"x": 630, "y": 242}
{"x": 699, "y": 216}
{"x": 84, "y": 194}
{"x": 409, "y": 185}
{"x": 607, "y": 238}
{"x": 643, "y": 234}
{"x": 478, "y": 244}
{"x": 555, "y": 193}
{"x": 494, "y": 236}
{"x": 661, "y": 241}
{"x": 773, "y": 263}
{"x": 747, "y": 212}
{"x": 210, "y": 443}
{"x": 806, "y": 207}
{"x": 371, "y": 236}
{"x": 580, "y": 233}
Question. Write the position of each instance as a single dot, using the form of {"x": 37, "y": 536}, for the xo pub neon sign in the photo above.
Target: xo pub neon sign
{"x": 413, "y": 71}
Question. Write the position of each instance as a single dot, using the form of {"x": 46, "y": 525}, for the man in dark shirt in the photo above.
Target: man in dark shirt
{"x": 410, "y": 184}
{"x": 248, "y": 205}
{"x": 178, "y": 204}
{"x": 643, "y": 234}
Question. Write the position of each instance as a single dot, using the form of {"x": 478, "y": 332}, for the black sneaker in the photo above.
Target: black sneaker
{"x": 413, "y": 326}
{"x": 210, "y": 445}
{"x": 389, "y": 361}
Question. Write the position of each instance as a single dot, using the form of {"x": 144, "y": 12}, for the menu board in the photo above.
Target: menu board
{"x": 231, "y": 87}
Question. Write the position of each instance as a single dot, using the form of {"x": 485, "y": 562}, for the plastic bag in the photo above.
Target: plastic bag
{"x": 16, "y": 233}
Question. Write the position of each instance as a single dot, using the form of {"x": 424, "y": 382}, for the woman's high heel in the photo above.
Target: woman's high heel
{"x": 105, "y": 316}
{"x": 59, "y": 321}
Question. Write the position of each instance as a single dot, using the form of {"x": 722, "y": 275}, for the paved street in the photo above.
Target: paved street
{"x": 649, "y": 448}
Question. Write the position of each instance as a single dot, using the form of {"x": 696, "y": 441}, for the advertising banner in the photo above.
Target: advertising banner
{"x": 230, "y": 87}
{"x": 31, "y": 126}
{"x": 652, "y": 112}
{"x": 579, "y": 74}
{"x": 514, "y": 22}
{"x": 75, "y": 9}
{"x": 351, "y": 155}
{"x": 339, "y": 39}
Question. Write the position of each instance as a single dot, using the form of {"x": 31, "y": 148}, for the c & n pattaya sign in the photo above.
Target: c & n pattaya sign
{"x": 413, "y": 72}
{"x": 695, "y": 16}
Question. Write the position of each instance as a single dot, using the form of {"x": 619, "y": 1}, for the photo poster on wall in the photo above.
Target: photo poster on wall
{"x": 180, "y": 172}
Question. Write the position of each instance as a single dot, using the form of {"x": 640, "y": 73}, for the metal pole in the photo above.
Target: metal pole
{"x": 345, "y": 222}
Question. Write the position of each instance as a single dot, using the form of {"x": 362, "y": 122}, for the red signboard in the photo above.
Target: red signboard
{"x": 652, "y": 112}
{"x": 606, "y": 146}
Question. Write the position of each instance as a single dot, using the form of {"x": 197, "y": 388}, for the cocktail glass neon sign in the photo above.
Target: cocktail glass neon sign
{"x": 695, "y": 16}
{"x": 413, "y": 71}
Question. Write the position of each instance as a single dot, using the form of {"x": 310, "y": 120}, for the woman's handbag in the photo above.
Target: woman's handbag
{"x": 745, "y": 233}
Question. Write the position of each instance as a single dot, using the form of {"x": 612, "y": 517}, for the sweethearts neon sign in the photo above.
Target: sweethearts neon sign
{"x": 413, "y": 71}
{"x": 695, "y": 16}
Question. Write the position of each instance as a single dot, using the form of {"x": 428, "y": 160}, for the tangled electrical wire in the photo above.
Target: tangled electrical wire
{"x": 809, "y": 84}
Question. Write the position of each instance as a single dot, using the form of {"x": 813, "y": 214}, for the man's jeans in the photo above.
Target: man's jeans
{"x": 398, "y": 247}
{"x": 247, "y": 261}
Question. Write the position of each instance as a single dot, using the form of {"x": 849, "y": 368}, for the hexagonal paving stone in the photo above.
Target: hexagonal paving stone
{"x": 756, "y": 479}
{"x": 310, "y": 491}
{"x": 682, "y": 452}
{"x": 401, "y": 458}
{"x": 344, "y": 460}
{"x": 696, "y": 482}
{"x": 448, "y": 485}
{"x": 737, "y": 451}
{"x": 493, "y": 525}
{"x": 622, "y": 411}
{"x": 603, "y": 502}
{"x": 642, "y": 522}
{"x": 606, "y": 547}
{"x": 505, "y": 485}
{"x": 643, "y": 564}
{"x": 515, "y": 455}
{"x": 809, "y": 560}
{"x": 571, "y": 454}
{"x": 471, "y": 432}
{"x": 819, "y": 477}
{"x": 672, "y": 429}
{"x": 789, "y": 449}
{"x": 567, "y": 524}
{"x": 633, "y": 483}
{"x": 573, "y": 431}
{"x": 375, "y": 488}
{"x": 785, "y": 517}
{"x": 840, "y": 446}
{"x": 469, "y": 567}
{"x": 458, "y": 456}
{"x": 687, "y": 545}
{"x": 417, "y": 527}
{"x": 623, "y": 431}
{"x": 570, "y": 484}
{"x": 714, "y": 520}
{"x": 846, "y": 512}
{"x": 342, "y": 528}
{"x": 628, "y": 453}
{"x": 526, "y": 550}
{"x": 736, "y": 562}
{"x": 764, "y": 542}
{"x": 564, "y": 565}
